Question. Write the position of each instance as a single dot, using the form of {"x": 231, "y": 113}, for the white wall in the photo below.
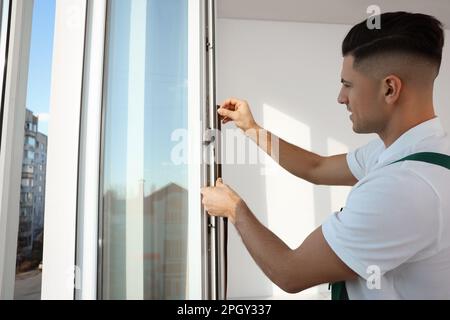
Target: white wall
{"x": 290, "y": 74}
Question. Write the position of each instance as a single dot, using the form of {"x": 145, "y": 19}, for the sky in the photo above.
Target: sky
{"x": 163, "y": 56}
{"x": 166, "y": 94}
{"x": 39, "y": 74}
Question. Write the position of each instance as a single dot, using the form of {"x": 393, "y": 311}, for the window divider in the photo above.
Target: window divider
{"x": 88, "y": 243}
{"x": 59, "y": 268}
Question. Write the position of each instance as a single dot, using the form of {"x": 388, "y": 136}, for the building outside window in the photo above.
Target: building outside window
{"x": 32, "y": 205}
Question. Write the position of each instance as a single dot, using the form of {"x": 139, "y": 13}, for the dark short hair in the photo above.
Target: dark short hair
{"x": 401, "y": 32}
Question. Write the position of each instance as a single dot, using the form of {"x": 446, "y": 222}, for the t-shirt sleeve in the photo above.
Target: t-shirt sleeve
{"x": 382, "y": 225}
{"x": 360, "y": 160}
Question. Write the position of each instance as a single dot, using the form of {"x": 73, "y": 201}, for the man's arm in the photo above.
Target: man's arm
{"x": 304, "y": 164}
{"x": 314, "y": 262}
{"x": 300, "y": 162}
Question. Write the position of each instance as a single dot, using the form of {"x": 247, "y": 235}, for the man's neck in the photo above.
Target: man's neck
{"x": 401, "y": 124}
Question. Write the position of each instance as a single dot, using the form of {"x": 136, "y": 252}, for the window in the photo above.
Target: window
{"x": 28, "y": 197}
{"x": 30, "y": 141}
{"x": 27, "y": 183}
{"x": 30, "y": 236}
{"x": 27, "y": 169}
{"x": 30, "y": 155}
{"x": 145, "y": 190}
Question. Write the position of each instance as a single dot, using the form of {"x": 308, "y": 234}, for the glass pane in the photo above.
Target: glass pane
{"x": 145, "y": 197}
{"x": 34, "y": 163}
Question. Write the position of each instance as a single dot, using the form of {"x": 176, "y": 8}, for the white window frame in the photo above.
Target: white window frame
{"x": 89, "y": 179}
{"x": 13, "y": 139}
{"x": 196, "y": 63}
{"x": 90, "y": 154}
{"x": 62, "y": 163}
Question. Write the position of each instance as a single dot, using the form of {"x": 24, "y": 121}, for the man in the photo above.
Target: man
{"x": 392, "y": 239}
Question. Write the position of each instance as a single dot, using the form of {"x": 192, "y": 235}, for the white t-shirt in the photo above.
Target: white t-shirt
{"x": 394, "y": 230}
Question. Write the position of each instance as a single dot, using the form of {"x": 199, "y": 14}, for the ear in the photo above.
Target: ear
{"x": 392, "y": 87}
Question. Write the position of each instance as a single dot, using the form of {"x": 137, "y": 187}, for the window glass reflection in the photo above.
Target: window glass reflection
{"x": 144, "y": 218}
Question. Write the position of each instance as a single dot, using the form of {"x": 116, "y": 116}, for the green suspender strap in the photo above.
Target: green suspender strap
{"x": 338, "y": 289}
{"x": 438, "y": 159}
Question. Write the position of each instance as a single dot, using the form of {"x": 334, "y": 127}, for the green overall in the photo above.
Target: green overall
{"x": 338, "y": 289}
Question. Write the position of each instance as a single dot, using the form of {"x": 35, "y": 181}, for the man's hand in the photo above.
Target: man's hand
{"x": 239, "y": 112}
{"x": 221, "y": 200}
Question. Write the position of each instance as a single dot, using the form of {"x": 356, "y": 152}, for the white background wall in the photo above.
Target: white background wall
{"x": 290, "y": 74}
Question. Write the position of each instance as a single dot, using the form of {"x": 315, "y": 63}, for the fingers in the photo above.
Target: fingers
{"x": 227, "y": 103}
{"x": 222, "y": 118}
{"x": 205, "y": 189}
{"x": 227, "y": 110}
{"x": 230, "y": 103}
{"x": 227, "y": 113}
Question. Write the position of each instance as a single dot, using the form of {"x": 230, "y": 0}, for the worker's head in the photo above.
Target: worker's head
{"x": 386, "y": 69}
